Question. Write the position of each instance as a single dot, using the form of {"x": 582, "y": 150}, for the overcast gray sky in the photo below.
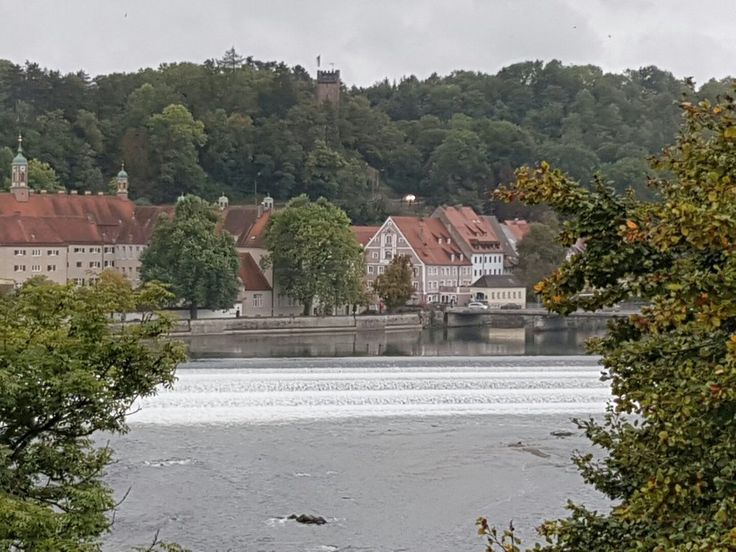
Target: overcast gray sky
{"x": 372, "y": 39}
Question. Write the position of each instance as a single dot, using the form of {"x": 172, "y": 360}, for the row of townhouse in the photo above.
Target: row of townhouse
{"x": 456, "y": 254}
{"x": 70, "y": 237}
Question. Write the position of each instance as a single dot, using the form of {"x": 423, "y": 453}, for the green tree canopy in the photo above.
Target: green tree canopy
{"x": 394, "y": 286}
{"x": 175, "y": 138}
{"x": 315, "y": 255}
{"x": 669, "y": 434}
{"x": 540, "y": 254}
{"x": 41, "y": 176}
{"x": 65, "y": 374}
{"x": 193, "y": 256}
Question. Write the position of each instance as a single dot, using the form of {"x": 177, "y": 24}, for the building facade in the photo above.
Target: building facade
{"x": 441, "y": 271}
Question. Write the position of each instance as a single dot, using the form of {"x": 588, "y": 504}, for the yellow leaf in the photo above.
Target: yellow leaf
{"x": 631, "y": 224}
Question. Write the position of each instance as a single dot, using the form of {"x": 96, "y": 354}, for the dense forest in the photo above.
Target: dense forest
{"x": 232, "y": 124}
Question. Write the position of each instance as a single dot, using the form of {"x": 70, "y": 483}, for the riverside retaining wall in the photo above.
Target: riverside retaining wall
{"x": 293, "y": 325}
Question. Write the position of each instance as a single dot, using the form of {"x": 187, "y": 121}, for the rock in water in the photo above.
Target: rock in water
{"x": 562, "y": 433}
{"x": 308, "y": 519}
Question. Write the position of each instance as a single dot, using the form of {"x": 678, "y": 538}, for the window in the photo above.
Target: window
{"x": 387, "y": 255}
{"x": 79, "y": 281}
{"x": 50, "y": 268}
{"x": 20, "y": 252}
{"x": 19, "y": 268}
{"x": 35, "y": 252}
{"x": 442, "y": 282}
{"x": 401, "y": 241}
{"x": 380, "y": 269}
{"x": 415, "y": 285}
{"x": 79, "y": 264}
{"x": 374, "y": 255}
{"x": 257, "y": 300}
{"x": 109, "y": 249}
{"x": 454, "y": 271}
{"x": 35, "y": 268}
{"x": 388, "y": 240}
{"x": 79, "y": 249}
{"x": 94, "y": 264}
{"x": 52, "y": 253}
{"x": 370, "y": 269}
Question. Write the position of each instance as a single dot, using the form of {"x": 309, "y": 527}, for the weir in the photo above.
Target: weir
{"x": 537, "y": 319}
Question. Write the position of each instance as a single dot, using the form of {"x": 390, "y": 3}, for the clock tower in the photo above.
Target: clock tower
{"x": 19, "y": 175}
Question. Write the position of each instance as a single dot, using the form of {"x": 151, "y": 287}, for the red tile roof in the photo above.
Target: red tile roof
{"x": 251, "y": 274}
{"x": 364, "y": 234}
{"x": 518, "y": 228}
{"x": 430, "y": 240}
{"x": 71, "y": 218}
{"x": 254, "y": 235}
{"x": 238, "y": 219}
{"x": 474, "y": 229}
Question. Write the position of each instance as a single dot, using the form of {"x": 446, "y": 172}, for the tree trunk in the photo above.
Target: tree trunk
{"x": 307, "y": 307}
{"x": 193, "y": 311}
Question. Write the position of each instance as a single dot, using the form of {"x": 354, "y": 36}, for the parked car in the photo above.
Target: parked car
{"x": 477, "y": 305}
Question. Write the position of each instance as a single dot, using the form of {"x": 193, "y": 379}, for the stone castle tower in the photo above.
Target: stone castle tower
{"x": 328, "y": 86}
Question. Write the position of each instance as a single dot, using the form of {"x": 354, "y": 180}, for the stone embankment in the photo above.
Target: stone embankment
{"x": 298, "y": 325}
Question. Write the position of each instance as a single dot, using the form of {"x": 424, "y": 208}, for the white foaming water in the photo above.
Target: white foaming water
{"x": 274, "y": 390}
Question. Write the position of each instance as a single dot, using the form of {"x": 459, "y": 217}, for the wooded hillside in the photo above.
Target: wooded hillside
{"x": 225, "y": 125}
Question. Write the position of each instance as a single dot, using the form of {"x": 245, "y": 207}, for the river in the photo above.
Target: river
{"x": 399, "y": 453}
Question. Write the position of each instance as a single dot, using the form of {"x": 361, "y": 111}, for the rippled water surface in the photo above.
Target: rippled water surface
{"x": 397, "y": 453}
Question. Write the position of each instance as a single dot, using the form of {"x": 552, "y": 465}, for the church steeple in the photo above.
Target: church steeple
{"x": 19, "y": 174}
{"x": 122, "y": 182}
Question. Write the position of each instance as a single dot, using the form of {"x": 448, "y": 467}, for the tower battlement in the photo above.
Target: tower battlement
{"x": 332, "y": 76}
{"x": 328, "y": 86}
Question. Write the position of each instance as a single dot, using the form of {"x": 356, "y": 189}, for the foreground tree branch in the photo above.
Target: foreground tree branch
{"x": 669, "y": 433}
{"x": 65, "y": 374}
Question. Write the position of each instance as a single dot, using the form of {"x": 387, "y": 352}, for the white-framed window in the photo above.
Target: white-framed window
{"x": 388, "y": 240}
{"x": 370, "y": 269}
{"x": 79, "y": 281}
{"x": 388, "y": 255}
{"x": 109, "y": 249}
{"x": 20, "y": 252}
{"x": 94, "y": 264}
{"x": 50, "y": 268}
{"x": 380, "y": 269}
{"x": 35, "y": 268}
{"x": 374, "y": 255}
{"x": 35, "y": 252}
{"x": 257, "y": 300}
{"x": 19, "y": 268}
{"x": 52, "y": 253}
{"x": 415, "y": 285}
